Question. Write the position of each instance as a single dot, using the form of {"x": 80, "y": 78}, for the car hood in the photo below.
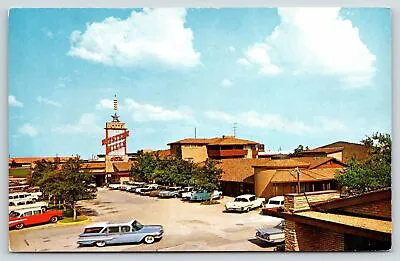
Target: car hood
{"x": 270, "y": 231}
{"x": 237, "y": 204}
{"x": 151, "y": 228}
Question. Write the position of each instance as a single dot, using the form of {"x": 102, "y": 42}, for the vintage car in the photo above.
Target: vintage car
{"x": 32, "y": 216}
{"x": 171, "y": 192}
{"x": 185, "y": 190}
{"x": 147, "y": 191}
{"x": 24, "y": 195}
{"x": 146, "y": 188}
{"x": 272, "y": 235}
{"x": 203, "y": 195}
{"x": 105, "y": 233}
{"x": 114, "y": 186}
{"x": 244, "y": 203}
{"x": 26, "y": 203}
{"x": 273, "y": 202}
{"x": 132, "y": 188}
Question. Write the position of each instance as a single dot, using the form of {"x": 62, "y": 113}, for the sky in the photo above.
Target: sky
{"x": 285, "y": 76}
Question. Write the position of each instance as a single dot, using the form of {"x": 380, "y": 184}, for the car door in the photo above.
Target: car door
{"x": 114, "y": 233}
{"x": 128, "y": 234}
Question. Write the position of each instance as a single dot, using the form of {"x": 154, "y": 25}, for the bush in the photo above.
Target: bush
{"x": 213, "y": 202}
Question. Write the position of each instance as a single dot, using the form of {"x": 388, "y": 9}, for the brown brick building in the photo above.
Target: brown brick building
{"x": 356, "y": 223}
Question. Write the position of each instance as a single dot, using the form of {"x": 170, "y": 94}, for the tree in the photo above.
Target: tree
{"x": 143, "y": 169}
{"x": 299, "y": 150}
{"x": 207, "y": 176}
{"x": 375, "y": 172}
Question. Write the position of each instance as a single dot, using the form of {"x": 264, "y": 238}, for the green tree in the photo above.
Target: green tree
{"x": 143, "y": 169}
{"x": 207, "y": 176}
{"x": 372, "y": 174}
{"x": 299, "y": 150}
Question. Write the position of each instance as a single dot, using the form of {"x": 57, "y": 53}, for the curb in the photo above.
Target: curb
{"x": 73, "y": 223}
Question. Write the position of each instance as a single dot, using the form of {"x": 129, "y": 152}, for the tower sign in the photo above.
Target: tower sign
{"x": 116, "y": 135}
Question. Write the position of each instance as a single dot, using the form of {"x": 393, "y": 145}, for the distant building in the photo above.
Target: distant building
{"x": 226, "y": 147}
{"x": 322, "y": 221}
{"x": 341, "y": 150}
{"x": 278, "y": 177}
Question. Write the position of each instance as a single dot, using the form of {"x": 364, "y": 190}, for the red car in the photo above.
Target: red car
{"x": 32, "y": 216}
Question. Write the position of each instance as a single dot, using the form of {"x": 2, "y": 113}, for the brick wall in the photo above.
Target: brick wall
{"x": 299, "y": 202}
{"x": 302, "y": 237}
{"x": 381, "y": 209}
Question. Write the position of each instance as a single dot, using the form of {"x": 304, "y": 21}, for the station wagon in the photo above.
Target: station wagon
{"x": 105, "y": 233}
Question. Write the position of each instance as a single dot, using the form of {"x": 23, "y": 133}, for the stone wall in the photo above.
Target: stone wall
{"x": 300, "y": 202}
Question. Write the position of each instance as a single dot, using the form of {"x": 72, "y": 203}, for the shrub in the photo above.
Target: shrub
{"x": 213, "y": 202}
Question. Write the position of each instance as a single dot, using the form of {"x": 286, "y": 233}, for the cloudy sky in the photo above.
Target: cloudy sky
{"x": 286, "y": 76}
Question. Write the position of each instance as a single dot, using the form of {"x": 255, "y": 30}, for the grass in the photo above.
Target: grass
{"x": 70, "y": 219}
{"x": 19, "y": 172}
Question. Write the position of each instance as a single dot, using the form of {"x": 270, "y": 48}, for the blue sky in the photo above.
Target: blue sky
{"x": 291, "y": 76}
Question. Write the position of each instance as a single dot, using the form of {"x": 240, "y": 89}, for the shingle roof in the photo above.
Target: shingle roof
{"x": 324, "y": 150}
{"x": 94, "y": 165}
{"x": 33, "y": 159}
{"x": 122, "y": 166}
{"x": 286, "y": 176}
{"x": 238, "y": 170}
{"x": 317, "y": 161}
{"x": 225, "y": 140}
{"x": 282, "y": 164}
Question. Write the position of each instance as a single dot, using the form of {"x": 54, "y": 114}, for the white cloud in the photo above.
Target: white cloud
{"x": 231, "y": 49}
{"x": 12, "y": 101}
{"x": 28, "y": 129}
{"x": 277, "y": 122}
{"x": 86, "y": 124}
{"x": 226, "y": 83}
{"x": 316, "y": 41}
{"x": 43, "y": 100}
{"x": 259, "y": 54}
{"x": 148, "y": 112}
{"x": 154, "y": 34}
{"x": 243, "y": 61}
{"x": 48, "y": 33}
{"x": 105, "y": 104}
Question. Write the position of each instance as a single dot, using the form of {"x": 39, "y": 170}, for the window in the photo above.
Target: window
{"x": 37, "y": 212}
{"x": 252, "y": 198}
{"x": 11, "y": 204}
{"x": 28, "y": 213}
{"x": 113, "y": 229}
{"x": 93, "y": 230}
{"x": 20, "y": 203}
{"x": 125, "y": 229}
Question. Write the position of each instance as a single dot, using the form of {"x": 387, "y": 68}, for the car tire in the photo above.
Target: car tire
{"x": 54, "y": 219}
{"x": 19, "y": 226}
{"x": 247, "y": 209}
{"x": 44, "y": 209}
{"x": 149, "y": 239}
{"x": 100, "y": 243}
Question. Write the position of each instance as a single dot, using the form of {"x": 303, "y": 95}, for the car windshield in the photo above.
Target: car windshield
{"x": 241, "y": 200}
{"x": 136, "y": 226}
{"x": 281, "y": 225}
{"x": 13, "y": 214}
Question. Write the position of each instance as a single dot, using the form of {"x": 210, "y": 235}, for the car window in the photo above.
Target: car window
{"x": 274, "y": 202}
{"x": 10, "y": 197}
{"x": 28, "y": 213}
{"x": 241, "y": 200}
{"x": 113, "y": 229}
{"x": 11, "y": 204}
{"x": 37, "y": 212}
{"x": 252, "y": 198}
{"x": 92, "y": 230}
{"x": 13, "y": 214}
{"x": 136, "y": 226}
{"x": 125, "y": 229}
{"x": 20, "y": 203}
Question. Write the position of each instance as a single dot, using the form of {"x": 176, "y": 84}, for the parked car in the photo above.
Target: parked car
{"x": 274, "y": 202}
{"x": 188, "y": 195}
{"x": 149, "y": 189}
{"x": 244, "y": 203}
{"x": 132, "y": 188}
{"x": 272, "y": 235}
{"x": 171, "y": 192}
{"x": 24, "y": 195}
{"x": 114, "y": 186}
{"x": 26, "y": 203}
{"x": 155, "y": 193}
{"x": 204, "y": 195}
{"x": 101, "y": 234}
{"x": 185, "y": 190}
{"x": 32, "y": 216}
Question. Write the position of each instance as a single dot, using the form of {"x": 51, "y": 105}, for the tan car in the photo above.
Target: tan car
{"x": 154, "y": 193}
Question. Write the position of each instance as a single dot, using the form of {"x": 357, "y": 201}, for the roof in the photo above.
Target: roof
{"x": 94, "y": 165}
{"x": 106, "y": 223}
{"x": 33, "y": 159}
{"x": 239, "y": 170}
{"x": 163, "y": 153}
{"x": 246, "y": 196}
{"x": 318, "y": 161}
{"x": 324, "y": 150}
{"x": 224, "y": 140}
{"x": 122, "y": 166}
{"x": 359, "y": 222}
{"x": 306, "y": 175}
{"x": 282, "y": 163}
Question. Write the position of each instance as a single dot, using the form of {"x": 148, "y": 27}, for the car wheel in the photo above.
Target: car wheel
{"x": 100, "y": 243}
{"x": 53, "y": 219}
{"x": 44, "y": 209}
{"x": 19, "y": 226}
{"x": 149, "y": 239}
{"x": 248, "y": 209}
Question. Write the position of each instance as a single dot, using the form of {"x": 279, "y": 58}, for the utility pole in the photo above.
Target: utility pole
{"x": 195, "y": 134}
{"x": 298, "y": 180}
{"x": 234, "y": 129}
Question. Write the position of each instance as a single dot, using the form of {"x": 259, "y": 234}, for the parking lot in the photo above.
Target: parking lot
{"x": 188, "y": 226}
